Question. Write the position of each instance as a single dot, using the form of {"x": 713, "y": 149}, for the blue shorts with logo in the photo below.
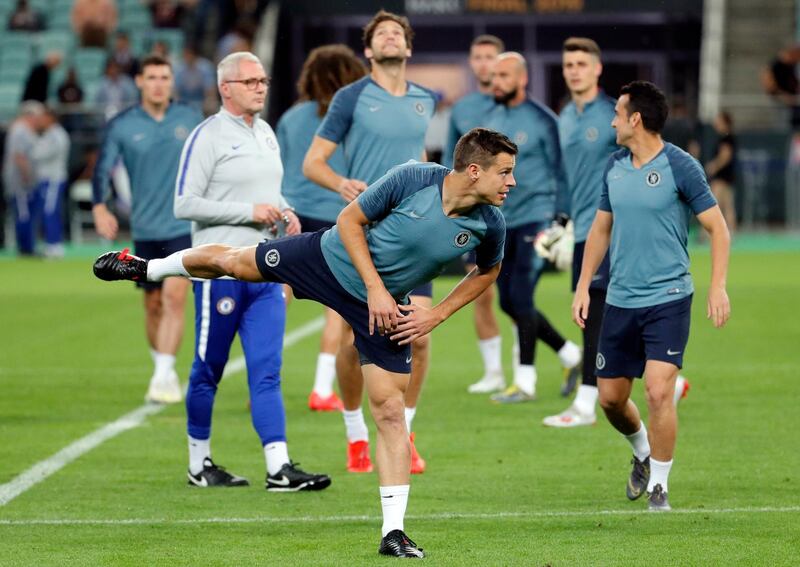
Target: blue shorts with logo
{"x": 601, "y": 277}
{"x": 149, "y": 249}
{"x": 298, "y": 261}
{"x": 631, "y": 337}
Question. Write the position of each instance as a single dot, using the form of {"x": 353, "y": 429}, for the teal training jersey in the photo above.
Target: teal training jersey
{"x": 295, "y": 130}
{"x": 538, "y": 171}
{"x": 375, "y": 129}
{"x": 651, "y": 207}
{"x": 468, "y": 113}
{"x": 410, "y": 239}
{"x": 150, "y": 151}
{"x": 587, "y": 141}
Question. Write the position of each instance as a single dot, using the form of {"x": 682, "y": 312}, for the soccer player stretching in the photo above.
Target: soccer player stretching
{"x": 649, "y": 190}
{"x": 398, "y": 234}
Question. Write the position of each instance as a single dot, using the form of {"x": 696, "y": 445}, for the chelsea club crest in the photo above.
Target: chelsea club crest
{"x": 226, "y": 305}
{"x": 272, "y": 258}
{"x": 462, "y": 238}
{"x": 653, "y": 178}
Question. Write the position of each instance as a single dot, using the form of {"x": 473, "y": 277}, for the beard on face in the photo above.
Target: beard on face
{"x": 505, "y": 97}
{"x": 388, "y": 59}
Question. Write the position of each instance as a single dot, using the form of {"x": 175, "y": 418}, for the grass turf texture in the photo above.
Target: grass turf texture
{"x": 500, "y": 488}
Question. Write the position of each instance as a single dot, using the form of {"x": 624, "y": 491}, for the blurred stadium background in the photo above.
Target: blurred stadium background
{"x": 708, "y": 56}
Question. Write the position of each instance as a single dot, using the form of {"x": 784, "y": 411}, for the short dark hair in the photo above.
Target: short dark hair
{"x": 649, "y": 101}
{"x": 153, "y": 60}
{"x": 488, "y": 39}
{"x": 582, "y": 44}
{"x": 481, "y": 146}
{"x": 327, "y": 69}
{"x": 384, "y": 16}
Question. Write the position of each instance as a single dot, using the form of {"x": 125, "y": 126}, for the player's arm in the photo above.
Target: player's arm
{"x": 719, "y": 307}
{"x": 419, "y": 321}
{"x": 330, "y": 134}
{"x": 596, "y": 248}
{"x": 316, "y": 169}
{"x": 383, "y": 311}
{"x": 104, "y": 220}
{"x": 196, "y": 169}
{"x": 694, "y": 190}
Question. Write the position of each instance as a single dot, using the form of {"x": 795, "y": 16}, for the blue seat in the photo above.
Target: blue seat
{"x": 10, "y": 94}
{"x": 55, "y": 40}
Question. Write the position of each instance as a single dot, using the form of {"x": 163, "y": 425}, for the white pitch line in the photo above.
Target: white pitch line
{"x": 43, "y": 469}
{"x": 365, "y": 518}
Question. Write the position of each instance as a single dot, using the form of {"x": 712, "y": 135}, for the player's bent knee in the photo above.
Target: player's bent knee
{"x": 389, "y": 413}
{"x": 612, "y": 402}
{"x": 421, "y": 345}
{"x": 659, "y": 395}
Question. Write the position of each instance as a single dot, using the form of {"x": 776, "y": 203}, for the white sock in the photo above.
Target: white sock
{"x": 277, "y": 455}
{"x": 659, "y": 474}
{"x": 165, "y": 363}
{"x": 639, "y": 443}
{"x": 325, "y": 374}
{"x": 153, "y": 354}
{"x": 491, "y": 351}
{"x": 569, "y": 354}
{"x": 586, "y": 399}
{"x": 410, "y": 413}
{"x": 161, "y": 268}
{"x": 355, "y": 425}
{"x": 394, "y": 500}
{"x": 199, "y": 449}
{"x": 525, "y": 378}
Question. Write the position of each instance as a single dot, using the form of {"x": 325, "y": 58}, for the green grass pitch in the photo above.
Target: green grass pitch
{"x": 500, "y": 489}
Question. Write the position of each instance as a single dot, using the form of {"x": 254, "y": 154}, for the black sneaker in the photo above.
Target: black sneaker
{"x": 212, "y": 475}
{"x": 292, "y": 479}
{"x": 640, "y": 475}
{"x": 398, "y": 544}
{"x": 113, "y": 266}
{"x": 657, "y": 500}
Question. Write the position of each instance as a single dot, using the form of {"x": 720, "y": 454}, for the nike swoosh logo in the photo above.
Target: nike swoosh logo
{"x": 374, "y": 108}
{"x": 284, "y": 481}
{"x": 414, "y": 215}
{"x": 408, "y": 360}
{"x": 597, "y": 277}
{"x": 236, "y": 147}
{"x": 673, "y": 352}
{"x": 203, "y": 482}
{"x": 138, "y": 137}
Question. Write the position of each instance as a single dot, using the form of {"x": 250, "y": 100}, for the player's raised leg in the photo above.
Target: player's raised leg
{"x": 209, "y": 261}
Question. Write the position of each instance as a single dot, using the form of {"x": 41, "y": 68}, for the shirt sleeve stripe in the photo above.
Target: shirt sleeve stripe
{"x": 189, "y": 154}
